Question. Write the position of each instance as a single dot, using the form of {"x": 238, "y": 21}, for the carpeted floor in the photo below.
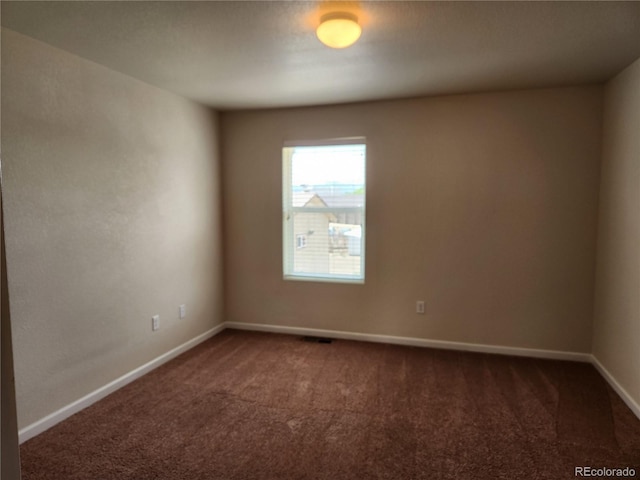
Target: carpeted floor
{"x": 264, "y": 406}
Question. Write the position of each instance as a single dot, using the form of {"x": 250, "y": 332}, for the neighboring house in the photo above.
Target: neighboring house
{"x": 320, "y": 236}
{"x": 334, "y": 199}
{"x": 311, "y": 234}
{"x": 346, "y": 229}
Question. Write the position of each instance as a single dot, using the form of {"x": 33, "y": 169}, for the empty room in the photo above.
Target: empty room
{"x": 320, "y": 240}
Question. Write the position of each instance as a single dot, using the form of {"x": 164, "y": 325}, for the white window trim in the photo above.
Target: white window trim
{"x": 288, "y": 240}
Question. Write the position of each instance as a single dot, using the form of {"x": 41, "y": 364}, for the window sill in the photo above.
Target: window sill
{"x": 315, "y": 278}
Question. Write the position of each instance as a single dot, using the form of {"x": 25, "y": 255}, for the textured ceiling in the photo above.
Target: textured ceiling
{"x": 247, "y": 54}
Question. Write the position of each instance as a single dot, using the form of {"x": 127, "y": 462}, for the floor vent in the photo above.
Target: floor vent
{"x": 317, "y": 339}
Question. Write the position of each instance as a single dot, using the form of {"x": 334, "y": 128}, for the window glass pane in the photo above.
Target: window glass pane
{"x": 340, "y": 166}
{"x": 324, "y": 203}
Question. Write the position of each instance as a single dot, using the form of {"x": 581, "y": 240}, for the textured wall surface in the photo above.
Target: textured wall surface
{"x": 112, "y": 214}
{"x": 482, "y": 205}
{"x": 617, "y": 307}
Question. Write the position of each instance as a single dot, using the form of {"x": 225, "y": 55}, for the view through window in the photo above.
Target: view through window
{"x": 324, "y": 211}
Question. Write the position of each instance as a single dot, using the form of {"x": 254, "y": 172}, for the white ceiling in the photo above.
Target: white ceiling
{"x": 244, "y": 54}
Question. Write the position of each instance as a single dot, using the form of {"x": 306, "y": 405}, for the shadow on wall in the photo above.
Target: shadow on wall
{"x": 10, "y": 456}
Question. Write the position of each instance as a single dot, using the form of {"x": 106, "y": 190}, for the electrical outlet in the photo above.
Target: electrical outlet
{"x": 420, "y": 307}
{"x": 183, "y": 311}
{"x": 155, "y": 322}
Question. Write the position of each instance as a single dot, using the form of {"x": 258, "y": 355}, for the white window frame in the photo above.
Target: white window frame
{"x": 288, "y": 242}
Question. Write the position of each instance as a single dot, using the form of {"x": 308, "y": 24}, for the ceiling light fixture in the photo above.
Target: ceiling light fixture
{"x": 338, "y": 29}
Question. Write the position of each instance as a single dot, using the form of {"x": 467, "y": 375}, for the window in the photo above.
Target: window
{"x": 324, "y": 210}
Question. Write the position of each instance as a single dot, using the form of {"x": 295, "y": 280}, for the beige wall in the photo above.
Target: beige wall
{"x": 482, "y": 205}
{"x": 617, "y": 307}
{"x": 112, "y": 216}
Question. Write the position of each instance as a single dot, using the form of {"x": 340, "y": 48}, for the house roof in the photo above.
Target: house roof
{"x": 302, "y": 199}
{"x": 354, "y": 200}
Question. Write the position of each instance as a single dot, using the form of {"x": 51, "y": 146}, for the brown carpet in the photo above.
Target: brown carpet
{"x": 264, "y": 406}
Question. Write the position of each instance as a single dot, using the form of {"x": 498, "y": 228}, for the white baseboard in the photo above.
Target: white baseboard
{"x": 49, "y": 421}
{"x": 470, "y": 347}
{"x": 631, "y": 403}
{"x": 416, "y": 342}
{"x": 52, "y": 419}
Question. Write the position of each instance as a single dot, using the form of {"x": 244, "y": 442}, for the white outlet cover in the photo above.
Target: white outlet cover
{"x": 183, "y": 311}
{"x": 155, "y": 322}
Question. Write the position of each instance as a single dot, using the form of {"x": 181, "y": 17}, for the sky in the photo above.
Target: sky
{"x": 328, "y": 164}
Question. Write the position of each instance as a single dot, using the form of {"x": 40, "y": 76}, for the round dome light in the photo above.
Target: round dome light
{"x": 338, "y": 30}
